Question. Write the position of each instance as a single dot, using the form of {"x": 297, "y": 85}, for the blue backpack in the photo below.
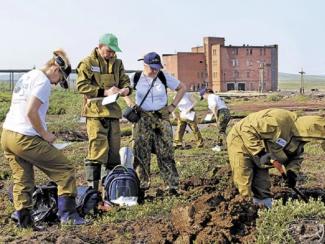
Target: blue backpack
{"x": 121, "y": 182}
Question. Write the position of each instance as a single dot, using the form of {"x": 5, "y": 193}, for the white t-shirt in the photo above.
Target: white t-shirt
{"x": 34, "y": 83}
{"x": 186, "y": 103}
{"x": 215, "y": 102}
{"x": 157, "y": 97}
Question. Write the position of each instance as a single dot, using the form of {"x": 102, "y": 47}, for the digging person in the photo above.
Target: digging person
{"x": 271, "y": 135}
{"x": 221, "y": 112}
{"x": 27, "y": 143}
{"x": 187, "y": 116}
{"x": 99, "y": 75}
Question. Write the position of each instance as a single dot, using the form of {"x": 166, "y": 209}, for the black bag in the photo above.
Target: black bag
{"x": 131, "y": 114}
{"x": 87, "y": 200}
{"x": 45, "y": 207}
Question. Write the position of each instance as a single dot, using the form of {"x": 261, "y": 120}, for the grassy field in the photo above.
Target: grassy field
{"x": 208, "y": 209}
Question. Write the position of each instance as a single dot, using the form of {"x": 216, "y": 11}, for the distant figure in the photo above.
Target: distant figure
{"x": 187, "y": 116}
{"x": 153, "y": 132}
{"x": 221, "y": 112}
{"x": 99, "y": 75}
{"x": 261, "y": 138}
{"x": 27, "y": 143}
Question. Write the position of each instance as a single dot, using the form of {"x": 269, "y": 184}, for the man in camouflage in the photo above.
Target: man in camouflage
{"x": 153, "y": 132}
{"x": 222, "y": 114}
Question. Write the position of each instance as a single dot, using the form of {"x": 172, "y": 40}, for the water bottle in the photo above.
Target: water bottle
{"x": 126, "y": 155}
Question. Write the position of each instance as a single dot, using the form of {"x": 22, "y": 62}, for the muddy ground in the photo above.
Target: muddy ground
{"x": 214, "y": 212}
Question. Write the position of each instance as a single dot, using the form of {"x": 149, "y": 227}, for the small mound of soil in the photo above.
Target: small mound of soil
{"x": 307, "y": 231}
{"x": 71, "y": 135}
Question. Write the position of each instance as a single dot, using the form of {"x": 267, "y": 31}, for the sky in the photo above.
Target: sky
{"x": 31, "y": 30}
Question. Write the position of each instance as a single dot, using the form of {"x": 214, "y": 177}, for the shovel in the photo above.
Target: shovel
{"x": 280, "y": 167}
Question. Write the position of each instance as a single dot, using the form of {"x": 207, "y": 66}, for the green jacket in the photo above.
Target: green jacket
{"x": 96, "y": 74}
{"x": 271, "y": 130}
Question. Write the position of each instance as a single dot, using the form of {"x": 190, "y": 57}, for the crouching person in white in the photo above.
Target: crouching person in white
{"x": 27, "y": 143}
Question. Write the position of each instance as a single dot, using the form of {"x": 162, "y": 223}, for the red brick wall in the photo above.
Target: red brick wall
{"x": 218, "y": 65}
{"x": 241, "y": 64}
{"x": 191, "y": 68}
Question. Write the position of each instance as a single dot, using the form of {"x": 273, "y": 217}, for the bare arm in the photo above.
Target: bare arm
{"x": 181, "y": 89}
{"x": 128, "y": 101}
{"x": 33, "y": 107}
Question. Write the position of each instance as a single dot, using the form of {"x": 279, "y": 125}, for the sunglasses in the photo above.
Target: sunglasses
{"x": 63, "y": 67}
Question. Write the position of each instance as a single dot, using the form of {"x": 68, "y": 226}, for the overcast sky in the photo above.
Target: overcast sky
{"x": 31, "y": 30}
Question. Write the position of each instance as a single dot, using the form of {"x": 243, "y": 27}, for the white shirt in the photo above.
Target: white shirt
{"x": 215, "y": 102}
{"x": 186, "y": 103}
{"x": 157, "y": 97}
{"x": 34, "y": 83}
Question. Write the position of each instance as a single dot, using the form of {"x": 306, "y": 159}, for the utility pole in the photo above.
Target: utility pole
{"x": 261, "y": 84}
{"x": 302, "y": 89}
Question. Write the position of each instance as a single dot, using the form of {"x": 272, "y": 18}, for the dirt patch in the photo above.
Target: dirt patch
{"x": 307, "y": 231}
{"x": 71, "y": 135}
{"x": 308, "y": 106}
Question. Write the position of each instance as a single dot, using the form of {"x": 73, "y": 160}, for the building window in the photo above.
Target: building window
{"x": 230, "y": 86}
{"x": 202, "y": 75}
{"x": 247, "y": 74}
{"x": 251, "y": 51}
{"x": 235, "y": 62}
{"x": 214, "y": 52}
{"x": 261, "y": 51}
{"x": 198, "y": 75}
{"x": 241, "y": 86}
{"x": 234, "y": 51}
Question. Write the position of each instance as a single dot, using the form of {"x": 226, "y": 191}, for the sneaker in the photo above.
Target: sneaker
{"x": 217, "y": 148}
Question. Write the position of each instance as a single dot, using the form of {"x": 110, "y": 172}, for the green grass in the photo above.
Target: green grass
{"x": 294, "y": 85}
{"x": 272, "y": 225}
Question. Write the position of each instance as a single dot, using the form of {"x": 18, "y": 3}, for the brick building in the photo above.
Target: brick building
{"x": 223, "y": 68}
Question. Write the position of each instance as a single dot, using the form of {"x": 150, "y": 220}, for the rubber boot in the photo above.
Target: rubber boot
{"x": 24, "y": 218}
{"x": 67, "y": 211}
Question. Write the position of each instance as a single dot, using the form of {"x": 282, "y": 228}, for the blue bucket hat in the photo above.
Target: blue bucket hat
{"x": 153, "y": 60}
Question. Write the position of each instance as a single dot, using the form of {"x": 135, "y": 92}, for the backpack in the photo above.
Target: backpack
{"x": 87, "y": 200}
{"x": 122, "y": 186}
{"x": 44, "y": 200}
{"x": 160, "y": 75}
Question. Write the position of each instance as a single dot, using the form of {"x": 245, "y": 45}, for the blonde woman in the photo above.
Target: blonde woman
{"x": 27, "y": 142}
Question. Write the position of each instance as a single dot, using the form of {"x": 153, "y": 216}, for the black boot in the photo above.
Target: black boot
{"x": 24, "y": 218}
{"x": 67, "y": 211}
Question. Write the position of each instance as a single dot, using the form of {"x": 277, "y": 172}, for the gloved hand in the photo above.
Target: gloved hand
{"x": 265, "y": 159}
{"x": 291, "y": 179}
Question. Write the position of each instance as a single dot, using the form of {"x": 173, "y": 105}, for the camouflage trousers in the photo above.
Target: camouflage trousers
{"x": 154, "y": 135}
{"x": 222, "y": 122}
{"x": 180, "y": 130}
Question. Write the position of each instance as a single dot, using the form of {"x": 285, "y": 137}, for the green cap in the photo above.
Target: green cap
{"x": 111, "y": 41}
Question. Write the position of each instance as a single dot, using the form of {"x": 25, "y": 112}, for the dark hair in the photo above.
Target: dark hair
{"x": 209, "y": 91}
